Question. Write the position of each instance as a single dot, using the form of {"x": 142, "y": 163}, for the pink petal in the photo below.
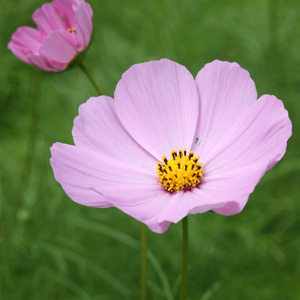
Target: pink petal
{"x": 80, "y": 170}
{"x": 57, "y": 46}
{"x": 157, "y": 103}
{"x": 98, "y": 128}
{"x": 188, "y": 202}
{"x": 233, "y": 187}
{"x": 254, "y": 144}
{"x": 87, "y": 197}
{"x": 83, "y": 16}
{"x": 65, "y": 8}
{"x": 143, "y": 203}
{"x": 24, "y": 41}
{"x": 226, "y": 91}
{"x": 232, "y": 208}
{"x": 44, "y": 64}
{"x": 48, "y": 19}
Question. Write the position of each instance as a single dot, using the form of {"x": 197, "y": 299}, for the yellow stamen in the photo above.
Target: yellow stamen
{"x": 182, "y": 171}
{"x": 72, "y": 30}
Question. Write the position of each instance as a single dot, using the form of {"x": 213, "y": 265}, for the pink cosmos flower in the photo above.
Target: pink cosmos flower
{"x": 64, "y": 31}
{"x": 122, "y": 146}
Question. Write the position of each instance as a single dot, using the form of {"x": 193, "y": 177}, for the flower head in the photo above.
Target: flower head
{"x": 169, "y": 145}
{"x": 64, "y": 32}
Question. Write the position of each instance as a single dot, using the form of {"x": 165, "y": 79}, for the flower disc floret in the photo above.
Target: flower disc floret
{"x": 181, "y": 172}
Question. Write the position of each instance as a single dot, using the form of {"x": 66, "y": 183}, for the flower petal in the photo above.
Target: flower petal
{"x": 43, "y": 63}
{"x": 226, "y": 91}
{"x": 260, "y": 135}
{"x": 26, "y": 40}
{"x": 80, "y": 170}
{"x": 48, "y": 19}
{"x": 87, "y": 197}
{"x": 65, "y": 8}
{"x": 98, "y": 128}
{"x": 188, "y": 202}
{"x": 84, "y": 25}
{"x": 253, "y": 145}
{"x": 57, "y": 46}
{"x": 232, "y": 208}
{"x": 143, "y": 203}
{"x": 157, "y": 103}
{"x": 233, "y": 187}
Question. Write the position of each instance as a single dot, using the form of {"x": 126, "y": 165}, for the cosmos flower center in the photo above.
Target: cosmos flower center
{"x": 72, "y": 30}
{"x": 181, "y": 172}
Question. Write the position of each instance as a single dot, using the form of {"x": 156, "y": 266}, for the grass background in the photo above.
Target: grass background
{"x": 52, "y": 248}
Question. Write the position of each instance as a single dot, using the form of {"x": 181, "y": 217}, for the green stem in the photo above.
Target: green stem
{"x": 185, "y": 241}
{"x": 144, "y": 262}
{"x": 91, "y": 78}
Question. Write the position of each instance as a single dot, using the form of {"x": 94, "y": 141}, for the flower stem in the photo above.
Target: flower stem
{"x": 144, "y": 261}
{"x": 91, "y": 78}
{"x": 185, "y": 240}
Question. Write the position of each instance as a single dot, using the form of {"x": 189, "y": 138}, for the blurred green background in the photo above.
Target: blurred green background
{"x": 52, "y": 248}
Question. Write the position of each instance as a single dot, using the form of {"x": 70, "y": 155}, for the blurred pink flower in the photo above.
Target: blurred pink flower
{"x": 64, "y": 31}
{"x": 159, "y": 107}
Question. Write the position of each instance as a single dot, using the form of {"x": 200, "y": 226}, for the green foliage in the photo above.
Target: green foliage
{"x": 52, "y": 248}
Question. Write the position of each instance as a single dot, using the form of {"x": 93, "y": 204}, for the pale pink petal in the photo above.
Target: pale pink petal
{"x": 84, "y": 170}
{"x": 233, "y": 187}
{"x": 44, "y": 64}
{"x": 259, "y": 135}
{"x": 84, "y": 25}
{"x": 57, "y": 46}
{"x": 232, "y": 208}
{"x": 24, "y": 41}
{"x": 157, "y": 103}
{"x": 188, "y": 202}
{"x": 87, "y": 197}
{"x": 48, "y": 19}
{"x": 254, "y": 144}
{"x": 226, "y": 91}
{"x": 98, "y": 128}
{"x": 143, "y": 203}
